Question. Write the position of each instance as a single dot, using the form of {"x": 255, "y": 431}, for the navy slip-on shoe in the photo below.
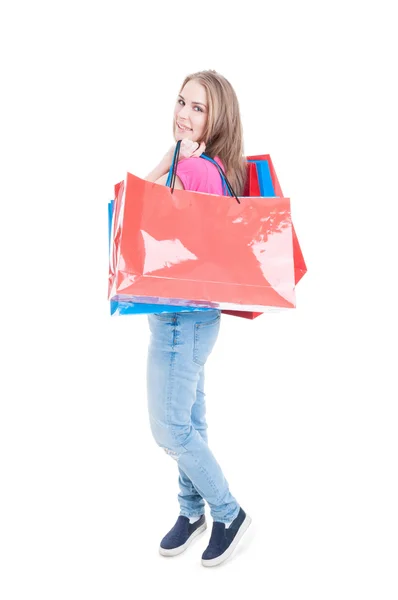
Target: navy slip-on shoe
{"x": 223, "y": 541}
{"x": 181, "y": 535}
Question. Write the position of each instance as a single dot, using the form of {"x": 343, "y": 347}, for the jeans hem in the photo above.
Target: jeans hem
{"x": 226, "y": 521}
{"x": 183, "y": 514}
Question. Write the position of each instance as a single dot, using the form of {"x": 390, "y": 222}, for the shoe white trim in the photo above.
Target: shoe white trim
{"x": 213, "y": 562}
{"x": 179, "y": 549}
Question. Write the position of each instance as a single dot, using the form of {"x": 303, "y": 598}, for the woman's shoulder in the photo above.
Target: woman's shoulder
{"x": 200, "y": 164}
{"x": 192, "y": 163}
{"x": 200, "y": 175}
{"x": 214, "y": 179}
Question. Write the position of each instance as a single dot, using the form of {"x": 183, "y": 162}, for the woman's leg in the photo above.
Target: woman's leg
{"x": 179, "y": 347}
{"x": 191, "y": 502}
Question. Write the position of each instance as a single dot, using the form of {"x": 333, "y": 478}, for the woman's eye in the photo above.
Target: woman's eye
{"x": 181, "y": 102}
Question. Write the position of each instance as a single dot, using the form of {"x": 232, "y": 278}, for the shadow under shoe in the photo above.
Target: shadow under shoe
{"x": 181, "y": 535}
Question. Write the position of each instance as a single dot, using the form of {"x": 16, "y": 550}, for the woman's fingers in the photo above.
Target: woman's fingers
{"x": 191, "y": 149}
{"x": 187, "y": 148}
{"x": 201, "y": 148}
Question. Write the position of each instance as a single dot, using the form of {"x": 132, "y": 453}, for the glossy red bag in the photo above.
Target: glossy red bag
{"x": 300, "y": 267}
{"x": 193, "y": 249}
{"x": 253, "y": 189}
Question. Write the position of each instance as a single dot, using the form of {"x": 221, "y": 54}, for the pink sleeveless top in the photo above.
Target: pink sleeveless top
{"x": 200, "y": 175}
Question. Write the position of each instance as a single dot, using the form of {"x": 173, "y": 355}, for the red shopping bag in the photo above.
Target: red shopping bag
{"x": 194, "y": 249}
{"x": 300, "y": 267}
{"x": 252, "y": 189}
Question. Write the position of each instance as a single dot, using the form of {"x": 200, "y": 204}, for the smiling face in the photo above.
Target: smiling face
{"x": 190, "y": 114}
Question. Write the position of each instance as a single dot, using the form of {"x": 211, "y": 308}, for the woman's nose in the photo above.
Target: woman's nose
{"x": 184, "y": 112}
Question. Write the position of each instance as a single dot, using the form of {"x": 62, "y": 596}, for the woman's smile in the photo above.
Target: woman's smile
{"x": 182, "y": 128}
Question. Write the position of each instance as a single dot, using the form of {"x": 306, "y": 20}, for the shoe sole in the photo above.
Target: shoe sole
{"x": 213, "y": 562}
{"x": 180, "y": 549}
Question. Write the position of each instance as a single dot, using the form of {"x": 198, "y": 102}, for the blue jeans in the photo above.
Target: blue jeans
{"x": 179, "y": 347}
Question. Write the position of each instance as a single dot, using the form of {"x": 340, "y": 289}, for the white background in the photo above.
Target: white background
{"x": 302, "y": 405}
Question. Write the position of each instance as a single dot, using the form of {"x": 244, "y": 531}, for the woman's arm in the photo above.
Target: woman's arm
{"x": 160, "y": 170}
{"x": 177, "y": 184}
{"x": 188, "y": 149}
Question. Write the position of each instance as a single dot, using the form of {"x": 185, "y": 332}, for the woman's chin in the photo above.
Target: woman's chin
{"x": 182, "y": 135}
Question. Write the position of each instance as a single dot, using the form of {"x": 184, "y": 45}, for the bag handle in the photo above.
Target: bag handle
{"x": 223, "y": 176}
{"x": 173, "y": 170}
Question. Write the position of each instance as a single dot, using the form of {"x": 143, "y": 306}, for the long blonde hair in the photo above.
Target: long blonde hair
{"x": 223, "y": 134}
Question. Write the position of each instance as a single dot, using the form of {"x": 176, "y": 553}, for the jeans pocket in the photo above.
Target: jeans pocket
{"x": 205, "y": 336}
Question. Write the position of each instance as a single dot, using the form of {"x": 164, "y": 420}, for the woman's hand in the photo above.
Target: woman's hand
{"x": 188, "y": 149}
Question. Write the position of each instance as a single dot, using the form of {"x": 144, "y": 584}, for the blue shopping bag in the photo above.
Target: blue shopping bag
{"x": 264, "y": 178}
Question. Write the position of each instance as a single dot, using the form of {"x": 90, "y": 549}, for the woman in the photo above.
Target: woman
{"x": 206, "y": 117}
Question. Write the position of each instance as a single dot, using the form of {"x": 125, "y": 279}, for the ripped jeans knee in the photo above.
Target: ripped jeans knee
{"x": 170, "y": 440}
{"x": 175, "y": 455}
